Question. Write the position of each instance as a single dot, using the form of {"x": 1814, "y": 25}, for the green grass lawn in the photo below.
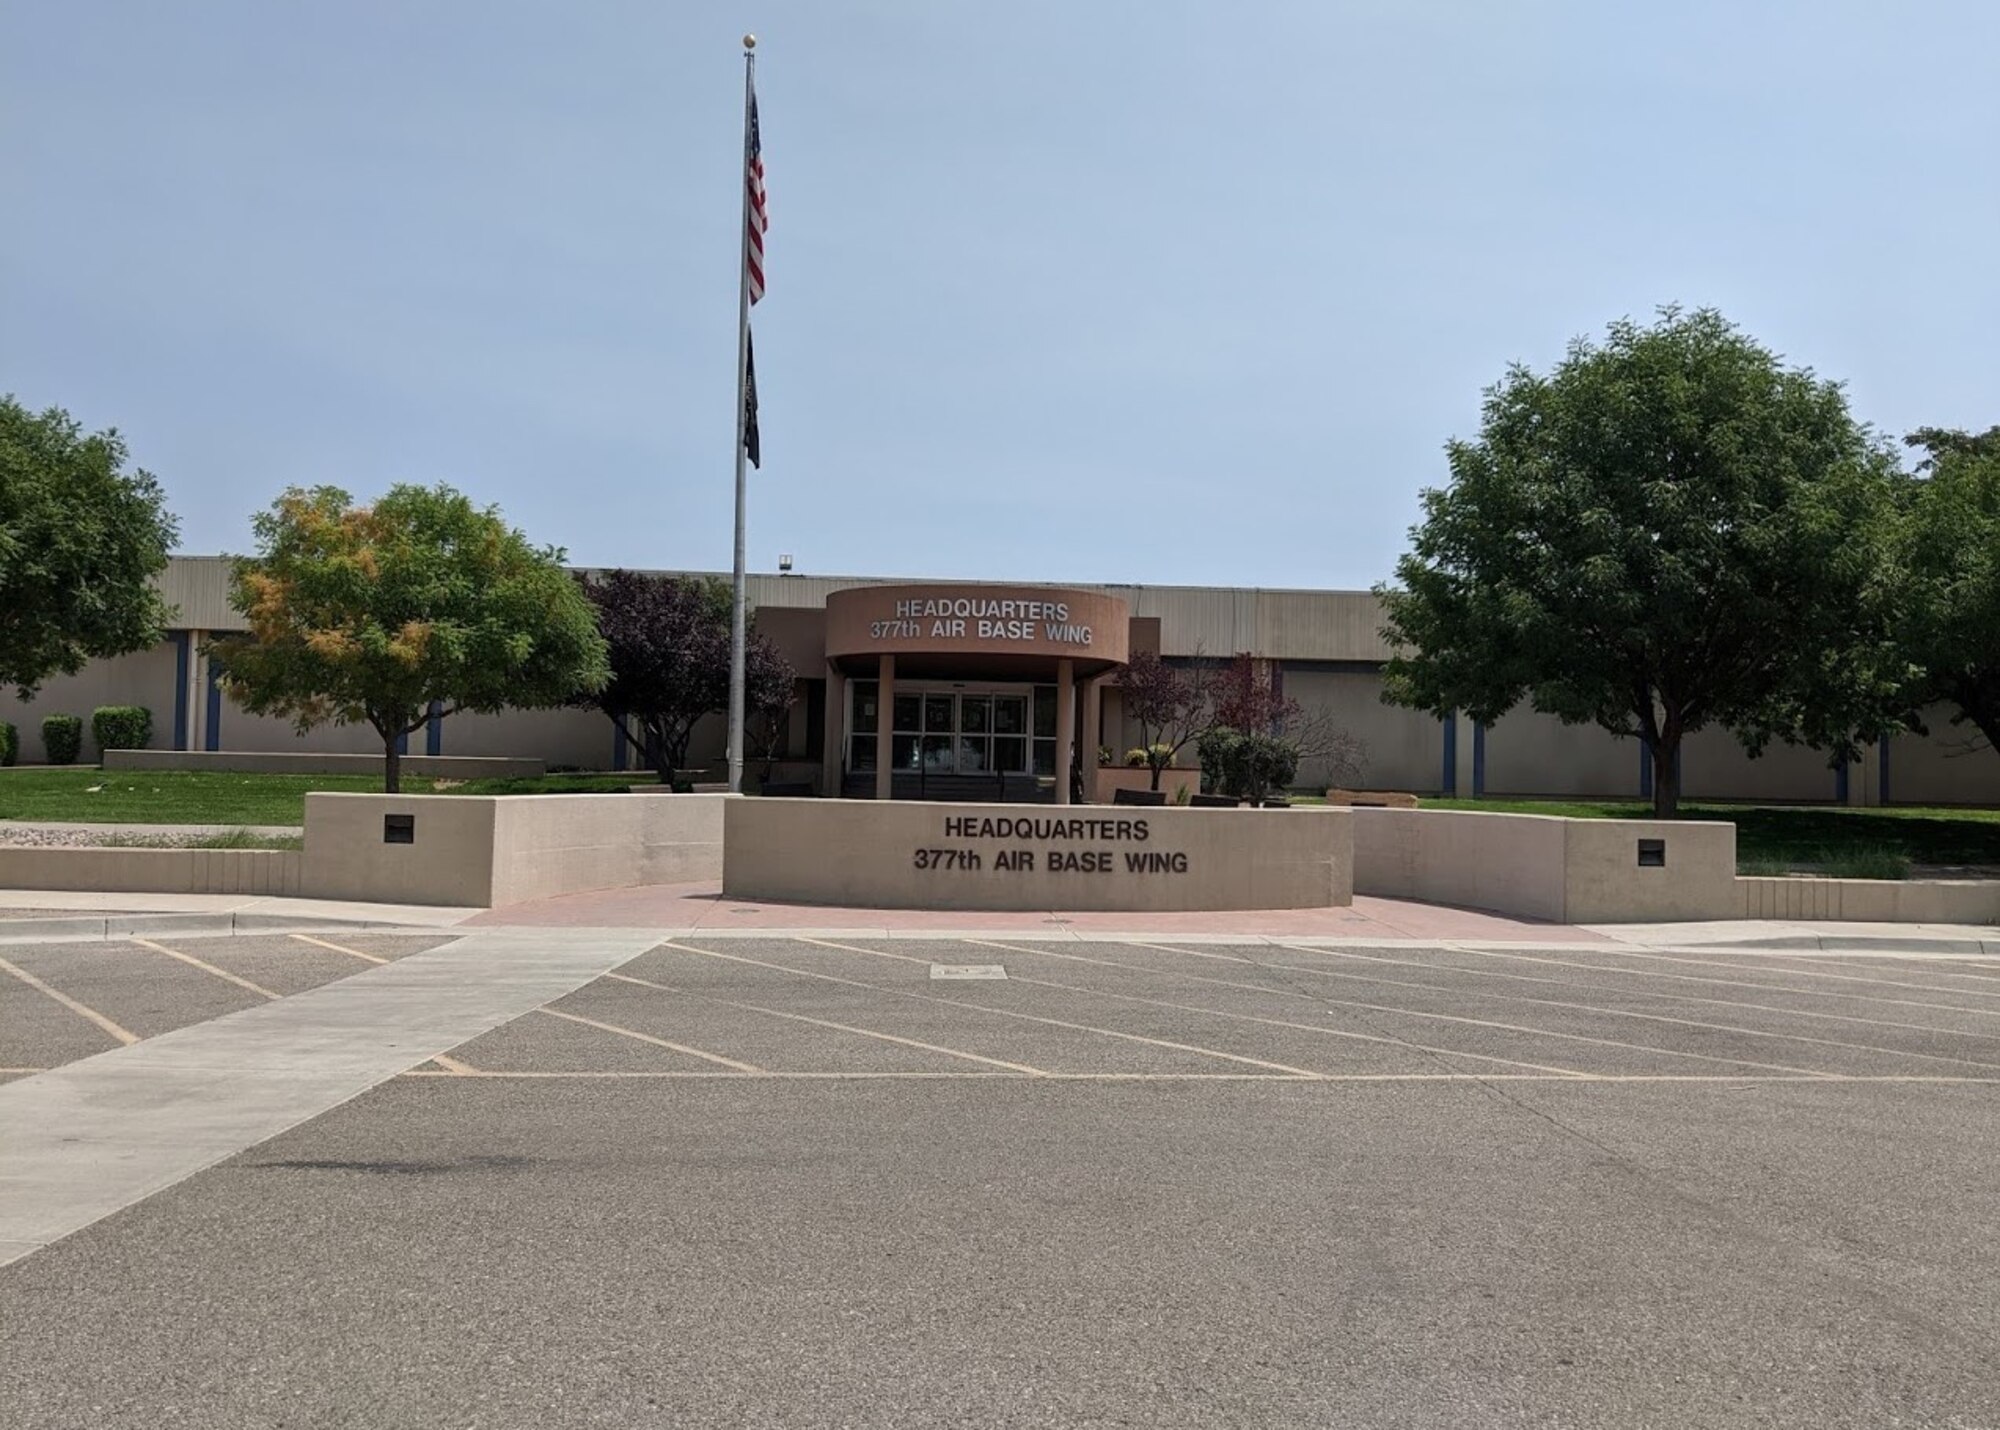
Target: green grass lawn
{"x": 1843, "y": 842}
{"x": 85, "y": 794}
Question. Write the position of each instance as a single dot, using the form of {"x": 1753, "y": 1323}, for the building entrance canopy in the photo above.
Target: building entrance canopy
{"x": 985, "y": 632}
{"x": 948, "y": 679}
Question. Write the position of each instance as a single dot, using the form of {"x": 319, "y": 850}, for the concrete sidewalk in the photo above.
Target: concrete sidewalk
{"x": 89, "y": 1138}
{"x": 670, "y": 910}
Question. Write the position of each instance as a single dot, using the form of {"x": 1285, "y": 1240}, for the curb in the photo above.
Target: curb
{"x": 1841, "y": 943}
{"x": 99, "y": 927}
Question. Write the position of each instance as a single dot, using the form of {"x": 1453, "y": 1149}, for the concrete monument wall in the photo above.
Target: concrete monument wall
{"x": 1540, "y": 867}
{"x": 474, "y": 850}
{"x": 893, "y": 855}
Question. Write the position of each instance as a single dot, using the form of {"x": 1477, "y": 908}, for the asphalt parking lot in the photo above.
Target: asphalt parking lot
{"x": 64, "y": 1001}
{"x": 802, "y": 1181}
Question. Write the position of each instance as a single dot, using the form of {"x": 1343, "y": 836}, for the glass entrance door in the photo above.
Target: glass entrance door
{"x": 947, "y": 732}
{"x": 992, "y": 734}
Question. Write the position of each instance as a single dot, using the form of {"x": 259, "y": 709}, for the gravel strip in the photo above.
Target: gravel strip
{"x": 41, "y": 836}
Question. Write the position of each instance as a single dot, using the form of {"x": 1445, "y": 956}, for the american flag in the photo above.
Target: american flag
{"x": 760, "y": 216}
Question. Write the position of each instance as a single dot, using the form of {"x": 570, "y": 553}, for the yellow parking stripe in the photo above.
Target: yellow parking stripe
{"x": 123, "y": 1035}
{"x": 224, "y": 974}
{"x": 336, "y": 948}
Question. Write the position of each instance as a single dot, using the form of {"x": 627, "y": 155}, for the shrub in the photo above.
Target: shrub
{"x": 121, "y": 727}
{"x": 1248, "y": 766}
{"x": 1212, "y": 753}
{"x": 62, "y": 737}
{"x": 1136, "y": 758}
{"x": 1104, "y": 755}
{"x": 10, "y": 743}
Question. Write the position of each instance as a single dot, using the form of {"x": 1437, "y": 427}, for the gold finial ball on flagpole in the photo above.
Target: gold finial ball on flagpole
{"x": 749, "y": 42}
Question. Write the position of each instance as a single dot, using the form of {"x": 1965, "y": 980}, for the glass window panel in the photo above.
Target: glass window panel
{"x": 1010, "y": 753}
{"x": 1010, "y": 714}
{"x": 937, "y": 754}
{"x": 866, "y": 705}
{"x": 861, "y": 753}
{"x": 904, "y": 756}
{"x": 975, "y": 714}
{"x": 937, "y": 714}
{"x": 1045, "y": 757}
{"x": 973, "y": 754}
{"x": 1045, "y": 710}
{"x": 909, "y": 711}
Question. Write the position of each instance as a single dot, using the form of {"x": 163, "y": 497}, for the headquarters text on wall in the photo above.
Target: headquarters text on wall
{"x": 964, "y": 617}
{"x": 1051, "y": 844}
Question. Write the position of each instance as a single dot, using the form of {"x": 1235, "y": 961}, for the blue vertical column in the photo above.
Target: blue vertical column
{"x": 1450, "y": 773}
{"x": 183, "y": 652}
{"x": 434, "y": 729}
{"x": 211, "y": 736}
{"x": 1478, "y": 760}
{"x": 1645, "y": 768}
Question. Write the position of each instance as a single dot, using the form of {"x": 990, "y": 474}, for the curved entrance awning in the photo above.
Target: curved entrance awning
{"x": 957, "y": 631}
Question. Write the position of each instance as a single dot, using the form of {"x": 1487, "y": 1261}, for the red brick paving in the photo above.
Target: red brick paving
{"x": 702, "y": 907}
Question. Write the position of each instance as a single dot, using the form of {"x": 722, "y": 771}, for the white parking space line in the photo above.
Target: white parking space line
{"x": 1645, "y": 992}
{"x": 224, "y": 974}
{"x": 769, "y": 1075}
{"x": 337, "y": 948}
{"x": 1319, "y": 1028}
{"x": 838, "y": 1027}
{"x": 1319, "y": 999}
{"x": 1737, "y": 966}
{"x": 1493, "y": 953}
{"x": 995, "y": 1012}
{"x": 1574, "y": 1007}
{"x": 123, "y": 1035}
{"x": 649, "y": 1038}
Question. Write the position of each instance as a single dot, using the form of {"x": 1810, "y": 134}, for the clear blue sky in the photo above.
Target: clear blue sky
{"x": 1143, "y": 291}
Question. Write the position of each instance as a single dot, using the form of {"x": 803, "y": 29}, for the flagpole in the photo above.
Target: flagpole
{"x": 736, "y": 609}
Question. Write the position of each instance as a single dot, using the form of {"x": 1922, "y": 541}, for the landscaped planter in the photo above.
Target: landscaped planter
{"x": 1107, "y": 778}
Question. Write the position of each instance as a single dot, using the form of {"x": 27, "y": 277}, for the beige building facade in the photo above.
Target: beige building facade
{"x": 1024, "y": 695}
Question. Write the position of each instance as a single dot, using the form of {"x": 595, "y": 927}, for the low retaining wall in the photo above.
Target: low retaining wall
{"x": 154, "y": 871}
{"x": 487, "y": 850}
{"x": 1888, "y": 901}
{"x": 302, "y": 762}
{"x": 915, "y": 855}
{"x": 1542, "y": 867}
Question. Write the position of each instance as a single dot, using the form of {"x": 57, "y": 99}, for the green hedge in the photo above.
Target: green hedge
{"x": 121, "y": 727}
{"x": 62, "y": 738}
{"x": 10, "y": 743}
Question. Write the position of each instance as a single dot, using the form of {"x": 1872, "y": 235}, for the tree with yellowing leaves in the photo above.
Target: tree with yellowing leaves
{"x": 371, "y": 614}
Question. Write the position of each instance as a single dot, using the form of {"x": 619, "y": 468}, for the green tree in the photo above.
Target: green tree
{"x": 369, "y": 614}
{"x": 81, "y": 539}
{"x": 1667, "y": 532}
{"x": 668, "y": 639}
{"x": 1947, "y": 602}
